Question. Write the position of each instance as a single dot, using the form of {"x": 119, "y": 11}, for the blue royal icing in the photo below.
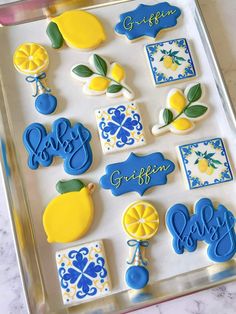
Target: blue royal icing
{"x": 147, "y": 20}
{"x": 215, "y": 227}
{"x": 137, "y": 277}
{"x": 45, "y": 103}
{"x": 137, "y": 173}
{"x": 65, "y": 141}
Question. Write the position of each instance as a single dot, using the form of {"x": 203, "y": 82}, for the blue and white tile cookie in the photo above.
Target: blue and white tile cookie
{"x": 170, "y": 61}
{"x": 83, "y": 272}
{"x": 204, "y": 163}
{"x": 120, "y": 127}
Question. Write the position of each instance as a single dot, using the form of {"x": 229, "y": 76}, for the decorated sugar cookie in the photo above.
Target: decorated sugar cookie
{"x": 69, "y": 216}
{"x": 79, "y": 29}
{"x": 147, "y": 20}
{"x": 140, "y": 222}
{"x": 137, "y": 173}
{"x": 83, "y": 272}
{"x": 170, "y": 61}
{"x": 32, "y": 59}
{"x": 182, "y": 111}
{"x": 120, "y": 127}
{"x": 215, "y": 226}
{"x": 204, "y": 163}
{"x": 101, "y": 77}
{"x": 68, "y": 142}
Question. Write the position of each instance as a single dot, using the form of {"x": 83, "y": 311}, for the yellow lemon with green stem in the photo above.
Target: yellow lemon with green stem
{"x": 69, "y": 216}
{"x": 140, "y": 220}
{"x": 202, "y": 165}
{"x": 79, "y": 29}
{"x": 30, "y": 58}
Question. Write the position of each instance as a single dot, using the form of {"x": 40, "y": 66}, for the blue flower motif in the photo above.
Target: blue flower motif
{"x": 82, "y": 272}
{"x": 121, "y": 126}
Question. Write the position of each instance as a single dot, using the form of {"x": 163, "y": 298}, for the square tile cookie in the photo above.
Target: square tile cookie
{"x": 120, "y": 127}
{"x": 170, "y": 61}
{"x": 204, "y": 163}
{"x": 82, "y": 272}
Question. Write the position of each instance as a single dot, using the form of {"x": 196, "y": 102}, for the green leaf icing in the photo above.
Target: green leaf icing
{"x": 115, "y": 88}
{"x": 54, "y": 35}
{"x": 194, "y": 93}
{"x": 195, "y": 111}
{"x": 167, "y": 116}
{"x": 82, "y": 71}
{"x": 69, "y": 186}
{"x": 100, "y": 65}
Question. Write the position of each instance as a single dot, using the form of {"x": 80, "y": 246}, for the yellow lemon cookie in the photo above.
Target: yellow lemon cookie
{"x": 69, "y": 216}
{"x": 30, "y": 58}
{"x": 79, "y": 29}
{"x": 140, "y": 220}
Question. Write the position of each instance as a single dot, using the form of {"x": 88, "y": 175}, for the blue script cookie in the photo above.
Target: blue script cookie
{"x": 137, "y": 173}
{"x": 82, "y": 272}
{"x": 214, "y": 226}
{"x": 65, "y": 141}
{"x": 147, "y": 20}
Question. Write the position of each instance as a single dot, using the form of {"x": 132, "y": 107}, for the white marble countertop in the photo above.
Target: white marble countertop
{"x": 221, "y": 21}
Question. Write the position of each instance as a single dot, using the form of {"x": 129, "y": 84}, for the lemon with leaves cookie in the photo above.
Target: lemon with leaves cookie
{"x": 79, "y": 29}
{"x": 140, "y": 220}
{"x": 69, "y": 216}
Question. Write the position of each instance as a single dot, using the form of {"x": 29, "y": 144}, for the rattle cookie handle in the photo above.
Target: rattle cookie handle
{"x": 137, "y": 251}
{"x": 45, "y": 103}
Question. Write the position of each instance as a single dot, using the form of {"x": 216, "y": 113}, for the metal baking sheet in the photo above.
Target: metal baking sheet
{"x": 30, "y": 191}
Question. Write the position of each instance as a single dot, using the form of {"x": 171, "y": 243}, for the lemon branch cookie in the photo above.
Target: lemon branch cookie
{"x": 182, "y": 111}
{"x": 102, "y": 78}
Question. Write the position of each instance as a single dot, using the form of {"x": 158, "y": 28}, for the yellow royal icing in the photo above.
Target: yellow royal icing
{"x": 68, "y": 216}
{"x": 140, "y": 221}
{"x": 80, "y": 29}
{"x": 99, "y": 83}
{"x": 182, "y": 124}
{"x": 117, "y": 72}
{"x": 30, "y": 58}
{"x": 177, "y": 101}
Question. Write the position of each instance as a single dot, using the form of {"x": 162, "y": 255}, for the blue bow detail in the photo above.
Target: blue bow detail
{"x": 37, "y": 80}
{"x": 137, "y": 244}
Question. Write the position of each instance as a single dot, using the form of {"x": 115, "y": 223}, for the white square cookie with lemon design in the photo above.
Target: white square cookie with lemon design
{"x": 170, "y": 61}
{"x": 204, "y": 163}
{"x": 83, "y": 272}
{"x": 120, "y": 127}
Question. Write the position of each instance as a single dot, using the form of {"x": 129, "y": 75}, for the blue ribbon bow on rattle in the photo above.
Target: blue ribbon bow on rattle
{"x": 37, "y": 80}
{"x": 138, "y": 244}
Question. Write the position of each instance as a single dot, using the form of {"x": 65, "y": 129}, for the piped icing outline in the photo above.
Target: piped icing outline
{"x": 147, "y": 20}
{"x": 212, "y": 228}
{"x": 69, "y": 143}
